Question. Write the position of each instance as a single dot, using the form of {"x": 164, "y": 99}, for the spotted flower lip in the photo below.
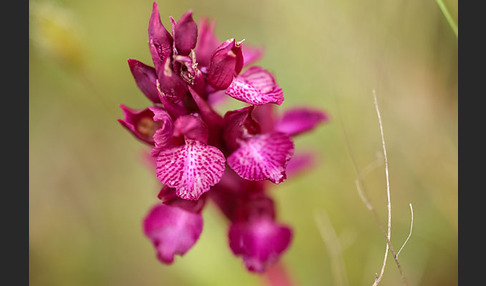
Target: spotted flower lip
{"x": 192, "y": 169}
{"x": 263, "y": 157}
{"x": 256, "y": 86}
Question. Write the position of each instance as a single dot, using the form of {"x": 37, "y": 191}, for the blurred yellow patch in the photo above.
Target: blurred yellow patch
{"x": 55, "y": 32}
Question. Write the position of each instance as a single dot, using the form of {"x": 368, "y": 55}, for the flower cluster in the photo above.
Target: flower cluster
{"x": 200, "y": 155}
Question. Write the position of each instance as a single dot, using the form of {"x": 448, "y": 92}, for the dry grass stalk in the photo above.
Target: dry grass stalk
{"x": 362, "y": 192}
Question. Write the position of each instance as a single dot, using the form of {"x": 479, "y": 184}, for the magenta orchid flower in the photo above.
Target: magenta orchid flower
{"x": 199, "y": 154}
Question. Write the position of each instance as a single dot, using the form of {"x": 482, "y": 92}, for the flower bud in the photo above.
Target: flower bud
{"x": 226, "y": 63}
{"x": 185, "y": 34}
{"x": 145, "y": 78}
{"x": 160, "y": 41}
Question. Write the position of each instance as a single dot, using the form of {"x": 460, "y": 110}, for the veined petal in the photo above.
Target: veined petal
{"x": 256, "y": 86}
{"x": 298, "y": 120}
{"x": 172, "y": 230}
{"x": 191, "y": 168}
{"x": 260, "y": 242}
{"x": 185, "y": 34}
{"x": 263, "y": 157}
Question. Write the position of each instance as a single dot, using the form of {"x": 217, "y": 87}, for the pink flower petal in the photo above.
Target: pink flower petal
{"x": 263, "y": 157}
{"x": 191, "y": 168}
{"x": 238, "y": 125}
{"x": 265, "y": 116}
{"x": 256, "y": 86}
{"x": 251, "y": 54}
{"x": 170, "y": 83}
{"x": 163, "y": 135}
{"x": 140, "y": 123}
{"x": 207, "y": 42}
{"x": 226, "y": 62}
{"x": 299, "y": 163}
{"x": 191, "y": 127}
{"x": 260, "y": 242}
{"x": 211, "y": 117}
{"x": 298, "y": 120}
{"x": 172, "y": 230}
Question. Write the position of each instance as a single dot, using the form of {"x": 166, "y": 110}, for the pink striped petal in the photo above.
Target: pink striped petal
{"x": 298, "y": 120}
{"x": 263, "y": 157}
{"x": 256, "y": 86}
{"x": 191, "y": 168}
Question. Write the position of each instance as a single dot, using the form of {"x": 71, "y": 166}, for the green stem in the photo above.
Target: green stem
{"x": 448, "y": 16}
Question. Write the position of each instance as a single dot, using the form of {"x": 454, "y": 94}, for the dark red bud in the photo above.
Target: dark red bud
{"x": 160, "y": 40}
{"x": 145, "y": 78}
{"x": 185, "y": 34}
{"x": 226, "y": 63}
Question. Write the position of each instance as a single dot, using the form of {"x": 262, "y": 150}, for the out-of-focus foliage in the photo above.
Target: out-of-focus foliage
{"x": 90, "y": 186}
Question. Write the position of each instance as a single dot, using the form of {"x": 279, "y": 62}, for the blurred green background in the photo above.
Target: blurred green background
{"x": 90, "y": 187}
